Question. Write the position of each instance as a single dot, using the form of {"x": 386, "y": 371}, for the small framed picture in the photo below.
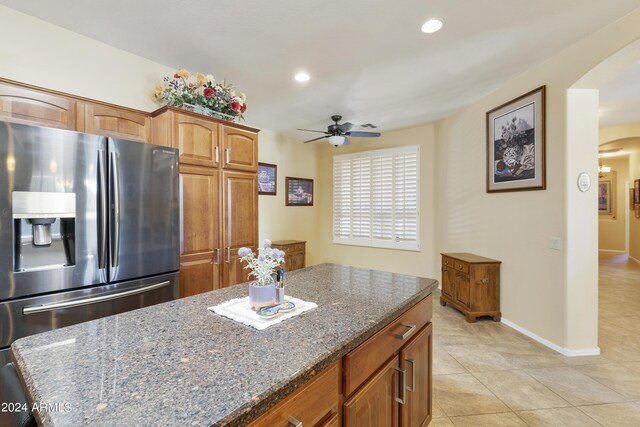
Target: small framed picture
{"x": 299, "y": 192}
{"x": 267, "y": 179}
{"x": 605, "y": 198}
{"x": 636, "y": 192}
{"x": 516, "y": 144}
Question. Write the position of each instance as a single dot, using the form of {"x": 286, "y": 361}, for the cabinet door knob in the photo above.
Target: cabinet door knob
{"x": 485, "y": 281}
{"x": 294, "y": 422}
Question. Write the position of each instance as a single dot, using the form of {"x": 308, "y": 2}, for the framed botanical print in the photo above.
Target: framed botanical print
{"x": 267, "y": 179}
{"x": 299, "y": 191}
{"x": 516, "y": 144}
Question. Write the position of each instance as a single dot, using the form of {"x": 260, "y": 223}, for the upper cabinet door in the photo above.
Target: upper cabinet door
{"x": 116, "y": 123}
{"x": 240, "y": 149}
{"x": 197, "y": 140}
{"x": 28, "y": 106}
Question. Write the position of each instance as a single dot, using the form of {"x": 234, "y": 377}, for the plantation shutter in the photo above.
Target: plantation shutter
{"x": 376, "y": 198}
{"x": 341, "y": 199}
{"x": 382, "y": 199}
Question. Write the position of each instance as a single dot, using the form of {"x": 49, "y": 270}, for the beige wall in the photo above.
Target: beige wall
{"x": 38, "y": 53}
{"x": 627, "y": 137}
{"x": 540, "y": 286}
{"x": 418, "y": 263}
{"x": 280, "y": 222}
{"x": 611, "y": 228}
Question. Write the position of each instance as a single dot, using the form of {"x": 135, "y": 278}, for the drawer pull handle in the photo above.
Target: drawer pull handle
{"x": 485, "y": 281}
{"x": 293, "y": 422}
{"x": 403, "y": 388}
{"x": 459, "y": 266}
{"x": 408, "y": 333}
{"x": 412, "y": 388}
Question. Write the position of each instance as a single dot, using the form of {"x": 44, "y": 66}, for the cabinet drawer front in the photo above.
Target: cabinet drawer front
{"x": 299, "y": 247}
{"x": 462, "y": 266}
{"x": 27, "y": 106}
{"x": 362, "y": 362}
{"x": 448, "y": 262}
{"x": 314, "y": 402}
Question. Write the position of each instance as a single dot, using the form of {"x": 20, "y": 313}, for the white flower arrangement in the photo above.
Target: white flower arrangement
{"x": 263, "y": 266}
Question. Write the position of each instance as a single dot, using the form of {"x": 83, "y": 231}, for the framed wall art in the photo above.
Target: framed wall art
{"x": 636, "y": 192}
{"x": 299, "y": 192}
{"x": 267, "y": 179}
{"x": 605, "y": 198}
{"x": 516, "y": 144}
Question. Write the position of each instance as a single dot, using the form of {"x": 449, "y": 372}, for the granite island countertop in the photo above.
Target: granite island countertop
{"x": 177, "y": 363}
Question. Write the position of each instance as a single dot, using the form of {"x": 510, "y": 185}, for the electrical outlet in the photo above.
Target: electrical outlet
{"x": 554, "y": 243}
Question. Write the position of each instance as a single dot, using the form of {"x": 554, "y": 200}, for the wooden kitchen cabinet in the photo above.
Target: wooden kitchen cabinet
{"x": 239, "y": 149}
{"x": 239, "y": 222}
{"x": 471, "y": 284}
{"x": 200, "y": 230}
{"x": 316, "y": 403}
{"x": 22, "y": 104}
{"x": 375, "y": 404}
{"x": 196, "y": 136}
{"x": 114, "y": 122}
{"x": 415, "y": 359}
{"x": 294, "y": 253}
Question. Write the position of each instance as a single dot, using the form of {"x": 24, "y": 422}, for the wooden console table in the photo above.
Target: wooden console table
{"x": 294, "y": 253}
{"x": 471, "y": 284}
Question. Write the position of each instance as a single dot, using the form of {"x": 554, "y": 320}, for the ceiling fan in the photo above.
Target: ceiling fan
{"x": 338, "y": 134}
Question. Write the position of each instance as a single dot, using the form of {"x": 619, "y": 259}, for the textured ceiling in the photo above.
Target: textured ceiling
{"x": 368, "y": 59}
{"x": 620, "y": 99}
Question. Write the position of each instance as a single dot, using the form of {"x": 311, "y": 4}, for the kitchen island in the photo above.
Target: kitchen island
{"x": 179, "y": 364}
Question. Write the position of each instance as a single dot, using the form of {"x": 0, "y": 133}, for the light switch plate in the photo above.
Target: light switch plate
{"x": 554, "y": 243}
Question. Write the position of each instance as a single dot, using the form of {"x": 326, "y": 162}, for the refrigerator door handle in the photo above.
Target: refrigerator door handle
{"x": 104, "y": 212}
{"x": 115, "y": 218}
{"x": 93, "y": 300}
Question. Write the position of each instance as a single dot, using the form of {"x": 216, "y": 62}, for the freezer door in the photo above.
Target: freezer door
{"x": 28, "y": 316}
{"x": 144, "y": 224}
{"x": 48, "y": 172}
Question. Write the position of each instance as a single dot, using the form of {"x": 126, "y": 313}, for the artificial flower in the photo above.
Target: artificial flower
{"x": 182, "y": 73}
{"x": 201, "y": 78}
{"x": 210, "y": 78}
{"x": 208, "y": 92}
{"x": 235, "y": 106}
{"x": 243, "y": 108}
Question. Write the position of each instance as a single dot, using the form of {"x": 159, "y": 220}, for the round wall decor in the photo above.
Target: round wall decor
{"x": 584, "y": 182}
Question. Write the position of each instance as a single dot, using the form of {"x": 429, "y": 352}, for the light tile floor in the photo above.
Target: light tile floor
{"x": 487, "y": 374}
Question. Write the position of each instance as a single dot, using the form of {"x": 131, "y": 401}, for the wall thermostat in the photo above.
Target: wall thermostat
{"x": 584, "y": 182}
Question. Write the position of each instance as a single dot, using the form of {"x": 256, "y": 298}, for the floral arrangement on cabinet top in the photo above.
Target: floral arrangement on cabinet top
{"x": 201, "y": 94}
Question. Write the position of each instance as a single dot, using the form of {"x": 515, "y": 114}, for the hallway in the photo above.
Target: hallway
{"x": 487, "y": 374}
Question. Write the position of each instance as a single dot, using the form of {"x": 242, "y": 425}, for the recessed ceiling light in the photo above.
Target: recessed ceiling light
{"x": 302, "y": 77}
{"x": 431, "y": 26}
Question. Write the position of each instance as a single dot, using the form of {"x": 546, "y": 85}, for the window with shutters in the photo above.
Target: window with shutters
{"x": 376, "y": 198}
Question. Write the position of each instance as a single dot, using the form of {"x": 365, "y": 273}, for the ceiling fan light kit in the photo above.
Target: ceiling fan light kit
{"x": 338, "y": 133}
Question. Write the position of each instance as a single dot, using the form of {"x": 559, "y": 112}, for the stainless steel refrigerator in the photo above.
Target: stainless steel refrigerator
{"x": 89, "y": 227}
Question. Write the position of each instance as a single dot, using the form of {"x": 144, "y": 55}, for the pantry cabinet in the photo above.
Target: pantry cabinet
{"x": 211, "y": 147}
{"x": 200, "y": 230}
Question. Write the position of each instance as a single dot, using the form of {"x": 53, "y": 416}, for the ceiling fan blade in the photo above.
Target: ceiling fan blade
{"x": 346, "y": 127}
{"x": 347, "y": 141}
{"x": 311, "y": 130}
{"x": 364, "y": 134}
{"x": 315, "y": 139}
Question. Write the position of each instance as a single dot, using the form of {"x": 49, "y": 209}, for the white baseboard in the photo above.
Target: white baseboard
{"x": 564, "y": 351}
{"x": 633, "y": 259}
{"x": 615, "y": 251}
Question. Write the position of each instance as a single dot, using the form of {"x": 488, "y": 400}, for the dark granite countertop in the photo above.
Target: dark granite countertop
{"x": 179, "y": 364}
